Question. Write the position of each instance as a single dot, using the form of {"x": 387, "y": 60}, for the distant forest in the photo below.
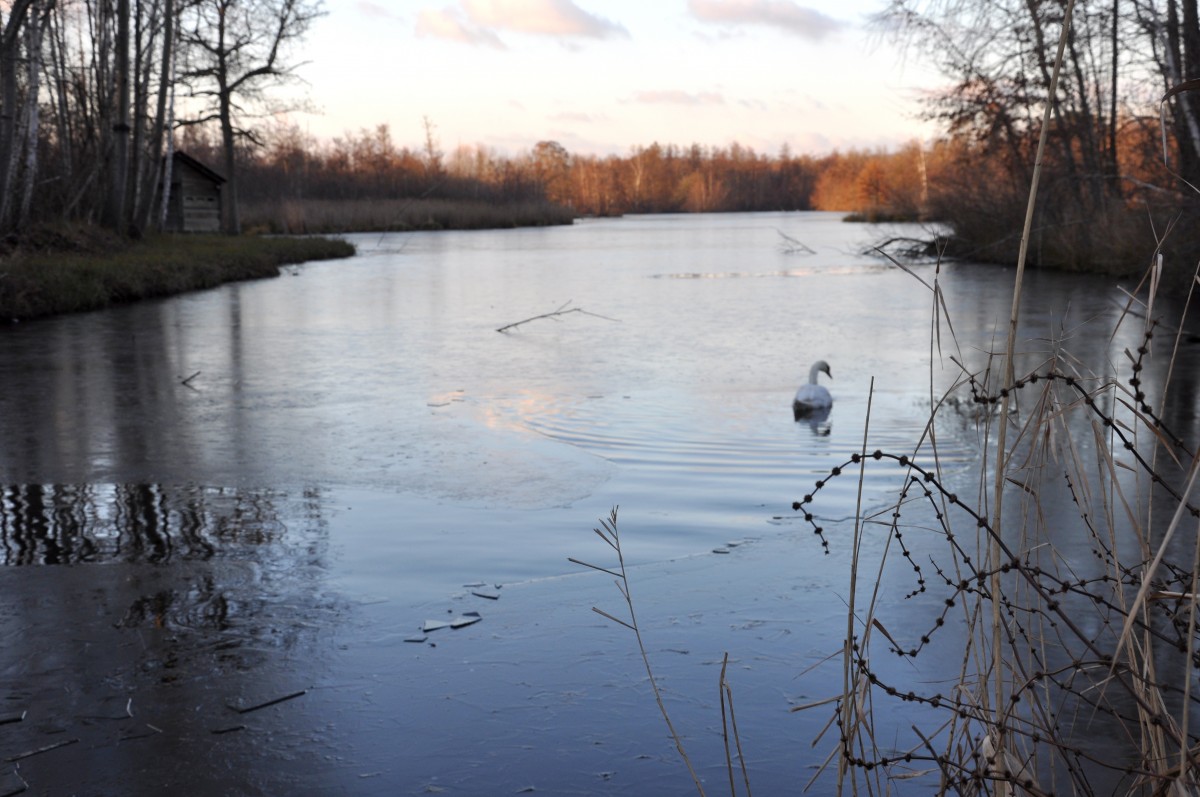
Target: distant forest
{"x": 95, "y": 94}
{"x": 958, "y": 179}
{"x": 657, "y": 178}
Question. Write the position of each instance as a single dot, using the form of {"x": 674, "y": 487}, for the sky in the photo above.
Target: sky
{"x": 604, "y": 77}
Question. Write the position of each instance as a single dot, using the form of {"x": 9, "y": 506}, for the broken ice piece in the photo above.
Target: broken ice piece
{"x": 416, "y": 640}
{"x": 720, "y": 550}
{"x": 492, "y": 596}
{"x": 465, "y": 620}
{"x": 434, "y": 625}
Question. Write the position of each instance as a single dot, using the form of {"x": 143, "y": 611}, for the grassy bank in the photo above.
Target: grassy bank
{"x": 321, "y": 216}
{"x": 66, "y": 271}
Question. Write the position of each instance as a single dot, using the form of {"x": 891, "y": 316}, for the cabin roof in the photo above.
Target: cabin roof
{"x": 188, "y": 160}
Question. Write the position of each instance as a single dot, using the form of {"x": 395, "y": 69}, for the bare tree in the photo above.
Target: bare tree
{"x": 11, "y": 39}
{"x": 30, "y": 127}
{"x": 118, "y": 175}
{"x": 235, "y": 51}
{"x": 154, "y": 164}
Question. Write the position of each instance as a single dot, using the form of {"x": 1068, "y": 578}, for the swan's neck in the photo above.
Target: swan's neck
{"x": 812, "y": 375}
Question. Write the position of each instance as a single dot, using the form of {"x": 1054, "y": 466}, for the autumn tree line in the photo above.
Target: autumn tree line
{"x": 95, "y": 94}
{"x": 370, "y": 165}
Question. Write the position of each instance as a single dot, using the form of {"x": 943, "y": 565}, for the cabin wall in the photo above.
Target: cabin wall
{"x": 195, "y": 202}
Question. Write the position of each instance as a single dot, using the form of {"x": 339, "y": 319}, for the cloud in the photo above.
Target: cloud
{"x": 369, "y": 9}
{"x": 542, "y": 17}
{"x": 677, "y": 97}
{"x": 573, "y": 116}
{"x": 449, "y": 24}
{"x": 785, "y": 15}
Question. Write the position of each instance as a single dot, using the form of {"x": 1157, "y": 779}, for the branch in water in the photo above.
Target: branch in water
{"x": 791, "y": 246}
{"x": 563, "y": 310}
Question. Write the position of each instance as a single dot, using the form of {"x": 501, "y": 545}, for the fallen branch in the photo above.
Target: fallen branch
{"x": 273, "y": 702}
{"x": 563, "y": 310}
{"x": 231, "y": 729}
{"x": 792, "y": 246}
{"x": 40, "y": 750}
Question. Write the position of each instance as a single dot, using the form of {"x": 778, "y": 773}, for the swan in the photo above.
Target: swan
{"x": 813, "y": 398}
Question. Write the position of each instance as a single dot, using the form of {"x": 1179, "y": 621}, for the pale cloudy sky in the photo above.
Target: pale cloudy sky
{"x": 601, "y": 76}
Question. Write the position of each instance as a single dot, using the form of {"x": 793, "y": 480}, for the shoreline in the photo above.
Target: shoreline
{"x": 79, "y": 269}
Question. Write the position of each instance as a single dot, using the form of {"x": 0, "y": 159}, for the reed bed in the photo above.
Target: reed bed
{"x": 1067, "y": 595}
{"x": 325, "y": 216}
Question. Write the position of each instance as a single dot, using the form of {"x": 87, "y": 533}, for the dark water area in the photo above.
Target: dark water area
{"x": 270, "y": 490}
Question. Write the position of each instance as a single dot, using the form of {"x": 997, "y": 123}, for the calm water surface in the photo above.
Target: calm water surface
{"x": 271, "y": 486}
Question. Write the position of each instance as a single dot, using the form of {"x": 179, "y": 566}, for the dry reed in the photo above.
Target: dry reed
{"x": 325, "y": 216}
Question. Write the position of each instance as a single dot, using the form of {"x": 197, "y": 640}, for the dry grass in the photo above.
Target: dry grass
{"x": 399, "y": 215}
{"x": 75, "y": 270}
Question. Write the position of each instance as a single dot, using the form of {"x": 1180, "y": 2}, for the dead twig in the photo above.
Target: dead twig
{"x": 727, "y": 723}
{"x": 561, "y": 311}
{"x": 40, "y": 750}
{"x": 188, "y": 382}
{"x": 231, "y": 729}
{"x": 792, "y": 246}
{"x": 611, "y": 536}
{"x": 270, "y": 703}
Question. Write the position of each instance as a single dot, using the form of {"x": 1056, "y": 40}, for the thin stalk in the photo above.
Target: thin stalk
{"x": 848, "y": 690}
{"x": 1009, "y": 369}
{"x": 610, "y": 534}
{"x": 1184, "y": 752}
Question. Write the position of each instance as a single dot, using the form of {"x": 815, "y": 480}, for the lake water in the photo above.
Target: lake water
{"x": 267, "y": 488}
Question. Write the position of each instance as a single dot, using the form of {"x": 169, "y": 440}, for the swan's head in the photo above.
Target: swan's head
{"x": 819, "y": 367}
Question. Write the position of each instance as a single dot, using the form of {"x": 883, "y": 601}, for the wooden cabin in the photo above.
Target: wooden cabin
{"x": 194, "y": 204}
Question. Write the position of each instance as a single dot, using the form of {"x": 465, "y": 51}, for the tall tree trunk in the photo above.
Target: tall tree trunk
{"x": 1176, "y": 48}
{"x": 10, "y": 46}
{"x": 119, "y": 166}
{"x": 61, "y": 89}
{"x": 31, "y": 126}
{"x": 168, "y": 161}
{"x": 1114, "y": 166}
{"x": 143, "y": 65}
{"x": 155, "y": 158}
{"x": 230, "y": 221}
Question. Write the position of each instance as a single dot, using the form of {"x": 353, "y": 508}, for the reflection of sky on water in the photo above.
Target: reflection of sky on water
{"x": 384, "y": 375}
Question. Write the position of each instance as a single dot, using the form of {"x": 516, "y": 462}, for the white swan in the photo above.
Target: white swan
{"x": 813, "y": 398}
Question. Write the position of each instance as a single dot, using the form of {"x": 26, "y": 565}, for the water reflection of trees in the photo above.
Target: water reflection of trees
{"x": 70, "y": 524}
{"x": 167, "y": 601}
